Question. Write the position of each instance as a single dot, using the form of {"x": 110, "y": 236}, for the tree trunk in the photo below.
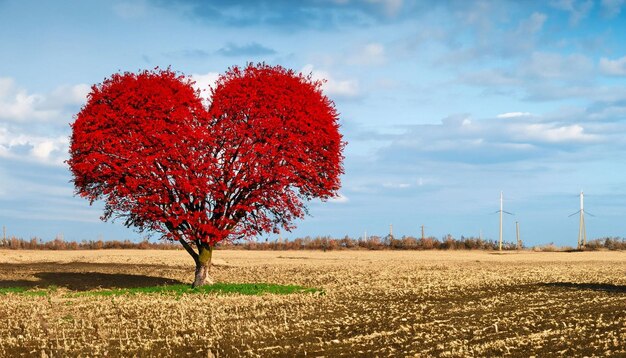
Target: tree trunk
{"x": 203, "y": 263}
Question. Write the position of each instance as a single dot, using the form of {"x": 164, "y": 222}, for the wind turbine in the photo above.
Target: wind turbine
{"x": 582, "y": 230}
{"x": 423, "y": 236}
{"x": 501, "y": 211}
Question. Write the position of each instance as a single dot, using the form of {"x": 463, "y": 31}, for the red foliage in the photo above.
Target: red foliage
{"x": 146, "y": 145}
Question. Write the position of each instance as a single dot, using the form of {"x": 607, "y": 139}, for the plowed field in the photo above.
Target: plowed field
{"x": 375, "y": 303}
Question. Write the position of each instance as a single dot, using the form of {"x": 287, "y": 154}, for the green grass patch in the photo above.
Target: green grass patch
{"x": 27, "y": 291}
{"x": 7, "y": 290}
{"x": 219, "y": 288}
{"x": 251, "y": 289}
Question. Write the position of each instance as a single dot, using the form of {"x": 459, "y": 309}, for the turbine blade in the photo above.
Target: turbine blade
{"x": 574, "y": 214}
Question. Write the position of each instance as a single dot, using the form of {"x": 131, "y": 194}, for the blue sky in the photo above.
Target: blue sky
{"x": 443, "y": 104}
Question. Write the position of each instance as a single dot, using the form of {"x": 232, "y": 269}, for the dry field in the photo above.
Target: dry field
{"x": 449, "y": 304}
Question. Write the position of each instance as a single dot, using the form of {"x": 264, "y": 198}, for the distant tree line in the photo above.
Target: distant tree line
{"x": 447, "y": 242}
{"x": 35, "y": 243}
{"x": 371, "y": 243}
{"x": 610, "y": 243}
{"x": 309, "y": 243}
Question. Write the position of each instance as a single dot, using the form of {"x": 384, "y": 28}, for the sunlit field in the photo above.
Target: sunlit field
{"x": 349, "y": 303}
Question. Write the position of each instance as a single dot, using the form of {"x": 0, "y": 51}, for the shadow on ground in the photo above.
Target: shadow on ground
{"x": 77, "y": 276}
{"x": 606, "y": 287}
{"x": 76, "y": 281}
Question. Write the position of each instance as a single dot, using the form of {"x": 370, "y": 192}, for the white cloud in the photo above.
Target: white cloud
{"x": 35, "y": 126}
{"x": 68, "y": 95}
{"x": 40, "y": 149}
{"x": 612, "y": 8}
{"x": 17, "y": 104}
{"x": 493, "y": 141}
{"x": 6, "y": 86}
{"x": 370, "y": 54}
{"x": 551, "y": 133}
{"x": 43, "y": 148}
{"x": 487, "y": 39}
{"x": 533, "y": 24}
{"x": 374, "y": 50}
{"x": 513, "y": 114}
{"x": 546, "y": 65}
{"x": 613, "y": 67}
{"x": 578, "y": 10}
{"x": 606, "y": 112}
{"x": 488, "y": 78}
{"x": 332, "y": 86}
{"x": 204, "y": 83}
{"x": 544, "y": 91}
{"x": 390, "y": 7}
{"x": 340, "y": 199}
{"x": 390, "y": 185}
{"x": 130, "y": 11}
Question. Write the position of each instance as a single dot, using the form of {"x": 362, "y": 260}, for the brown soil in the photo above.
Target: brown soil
{"x": 375, "y": 304}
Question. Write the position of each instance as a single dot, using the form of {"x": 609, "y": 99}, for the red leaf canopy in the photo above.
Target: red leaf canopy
{"x": 146, "y": 145}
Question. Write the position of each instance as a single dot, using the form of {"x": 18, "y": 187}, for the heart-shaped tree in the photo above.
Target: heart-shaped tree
{"x": 146, "y": 145}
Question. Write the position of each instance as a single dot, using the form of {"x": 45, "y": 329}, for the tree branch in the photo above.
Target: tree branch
{"x": 188, "y": 248}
